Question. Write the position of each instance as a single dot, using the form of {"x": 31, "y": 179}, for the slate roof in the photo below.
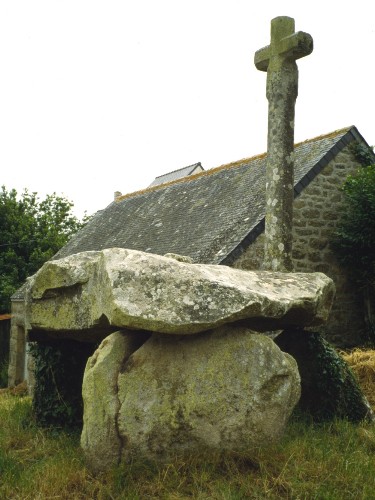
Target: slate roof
{"x": 212, "y": 216}
{"x": 177, "y": 174}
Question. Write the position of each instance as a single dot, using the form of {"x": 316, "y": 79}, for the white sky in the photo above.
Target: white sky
{"x": 100, "y": 96}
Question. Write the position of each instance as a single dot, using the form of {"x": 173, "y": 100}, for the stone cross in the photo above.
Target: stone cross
{"x": 279, "y": 60}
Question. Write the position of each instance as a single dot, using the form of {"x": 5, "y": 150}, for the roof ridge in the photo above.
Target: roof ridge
{"x": 224, "y": 166}
{"x": 325, "y": 136}
{"x": 190, "y": 177}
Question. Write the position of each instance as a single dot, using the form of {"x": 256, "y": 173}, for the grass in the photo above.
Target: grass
{"x": 327, "y": 461}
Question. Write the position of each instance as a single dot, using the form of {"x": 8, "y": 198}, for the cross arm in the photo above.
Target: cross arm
{"x": 295, "y": 46}
{"x": 291, "y": 47}
{"x": 262, "y": 58}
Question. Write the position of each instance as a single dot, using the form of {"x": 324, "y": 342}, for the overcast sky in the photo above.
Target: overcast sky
{"x": 103, "y": 96}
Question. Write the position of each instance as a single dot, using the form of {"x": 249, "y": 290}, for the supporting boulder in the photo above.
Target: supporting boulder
{"x": 228, "y": 389}
{"x": 100, "y": 438}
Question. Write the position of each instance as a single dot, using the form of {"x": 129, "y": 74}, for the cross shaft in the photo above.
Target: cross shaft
{"x": 279, "y": 60}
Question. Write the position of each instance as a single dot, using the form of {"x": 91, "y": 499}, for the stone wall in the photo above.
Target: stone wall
{"x": 316, "y": 215}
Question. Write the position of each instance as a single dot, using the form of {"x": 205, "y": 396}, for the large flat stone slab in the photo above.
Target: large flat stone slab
{"x": 131, "y": 289}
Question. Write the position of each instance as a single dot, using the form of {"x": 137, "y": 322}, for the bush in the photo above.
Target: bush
{"x": 4, "y": 374}
{"x": 355, "y": 237}
{"x": 329, "y": 389}
{"x": 59, "y": 368}
{"x": 354, "y": 240}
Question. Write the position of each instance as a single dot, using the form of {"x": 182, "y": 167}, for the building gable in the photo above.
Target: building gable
{"x": 211, "y": 217}
{"x": 217, "y": 216}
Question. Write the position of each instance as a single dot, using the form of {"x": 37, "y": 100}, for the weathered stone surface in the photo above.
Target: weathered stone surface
{"x": 179, "y": 258}
{"x": 279, "y": 60}
{"x": 228, "y": 389}
{"x": 345, "y": 326}
{"x": 131, "y": 289}
{"x": 100, "y": 398}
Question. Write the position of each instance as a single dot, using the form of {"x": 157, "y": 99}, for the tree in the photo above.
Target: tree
{"x": 355, "y": 237}
{"x": 31, "y": 232}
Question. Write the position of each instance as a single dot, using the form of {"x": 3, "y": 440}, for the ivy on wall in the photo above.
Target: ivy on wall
{"x": 59, "y": 368}
{"x": 329, "y": 389}
{"x": 354, "y": 240}
{"x": 363, "y": 153}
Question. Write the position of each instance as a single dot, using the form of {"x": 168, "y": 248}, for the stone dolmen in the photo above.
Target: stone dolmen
{"x": 182, "y": 366}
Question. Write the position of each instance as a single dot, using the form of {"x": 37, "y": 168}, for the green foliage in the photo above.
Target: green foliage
{"x": 4, "y": 373}
{"x": 363, "y": 153}
{"x": 329, "y": 389}
{"x": 354, "y": 241}
{"x": 335, "y": 383}
{"x": 4, "y": 351}
{"x": 31, "y": 232}
{"x": 58, "y": 371}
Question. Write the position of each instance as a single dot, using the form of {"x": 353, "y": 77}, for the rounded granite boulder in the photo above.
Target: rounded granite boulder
{"x": 228, "y": 389}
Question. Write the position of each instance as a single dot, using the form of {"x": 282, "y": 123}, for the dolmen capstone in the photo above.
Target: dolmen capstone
{"x": 136, "y": 290}
{"x": 186, "y": 370}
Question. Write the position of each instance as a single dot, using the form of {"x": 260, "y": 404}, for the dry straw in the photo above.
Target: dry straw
{"x": 362, "y": 363}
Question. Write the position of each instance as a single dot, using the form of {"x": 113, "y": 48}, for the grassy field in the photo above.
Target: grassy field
{"x": 327, "y": 461}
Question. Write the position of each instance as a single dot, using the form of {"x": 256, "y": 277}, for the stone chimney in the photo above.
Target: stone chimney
{"x": 117, "y": 194}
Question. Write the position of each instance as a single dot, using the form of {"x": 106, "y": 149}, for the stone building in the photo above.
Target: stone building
{"x": 217, "y": 217}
